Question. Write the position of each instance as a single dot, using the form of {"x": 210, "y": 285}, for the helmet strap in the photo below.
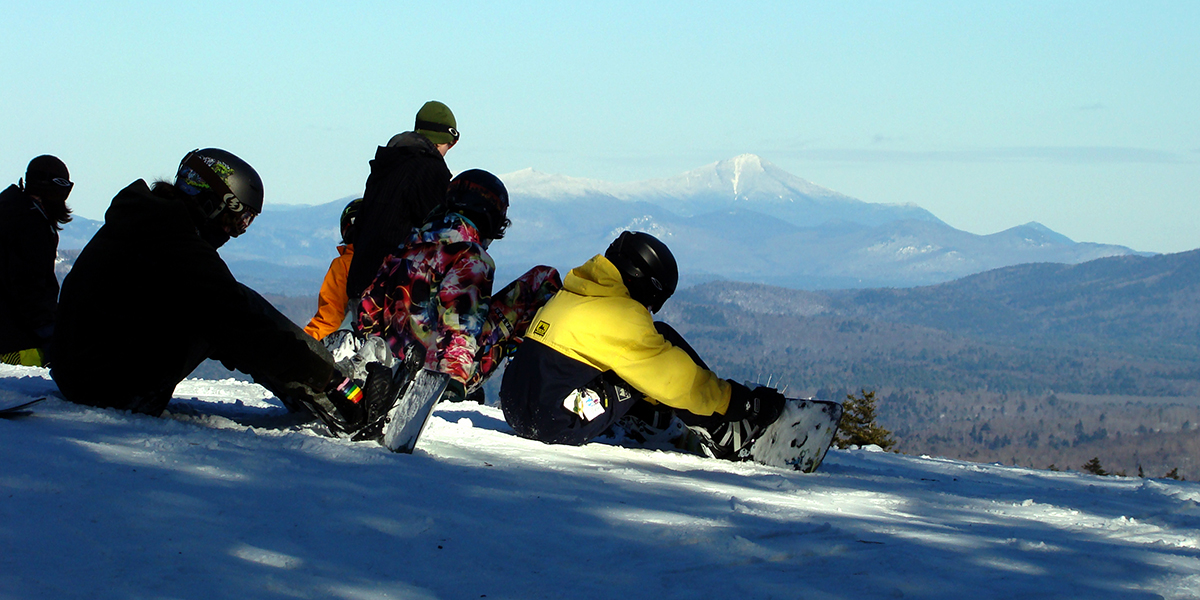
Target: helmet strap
{"x": 215, "y": 183}
{"x": 440, "y": 127}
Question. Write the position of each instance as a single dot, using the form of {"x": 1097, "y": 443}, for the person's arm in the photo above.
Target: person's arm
{"x": 331, "y": 303}
{"x": 243, "y": 330}
{"x": 665, "y": 372}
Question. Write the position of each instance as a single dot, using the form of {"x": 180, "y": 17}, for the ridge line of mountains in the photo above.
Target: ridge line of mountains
{"x": 742, "y": 219}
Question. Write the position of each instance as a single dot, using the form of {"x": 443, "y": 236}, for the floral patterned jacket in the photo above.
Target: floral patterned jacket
{"x": 433, "y": 291}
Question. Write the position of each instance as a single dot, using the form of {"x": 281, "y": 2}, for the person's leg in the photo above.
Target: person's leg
{"x": 613, "y": 399}
{"x": 552, "y": 398}
{"x": 510, "y": 312}
{"x": 711, "y": 435}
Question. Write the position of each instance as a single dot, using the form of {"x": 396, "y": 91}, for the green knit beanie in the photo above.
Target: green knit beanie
{"x": 436, "y": 122}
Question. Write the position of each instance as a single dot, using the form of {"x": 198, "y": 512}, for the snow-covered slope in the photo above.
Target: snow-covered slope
{"x": 106, "y": 504}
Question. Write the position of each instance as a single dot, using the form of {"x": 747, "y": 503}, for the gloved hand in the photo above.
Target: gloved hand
{"x": 760, "y": 407}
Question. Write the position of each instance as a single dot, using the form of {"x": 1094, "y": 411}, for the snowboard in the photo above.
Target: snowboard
{"x": 18, "y": 410}
{"x": 410, "y": 413}
{"x": 800, "y": 437}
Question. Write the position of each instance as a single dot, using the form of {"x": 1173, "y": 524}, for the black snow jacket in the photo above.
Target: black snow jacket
{"x": 28, "y": 287}
{"x": 148, "y": 299}
{"x": 408, "y": 180}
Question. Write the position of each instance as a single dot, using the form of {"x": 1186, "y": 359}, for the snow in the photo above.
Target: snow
{"x": 739, "y": 177}
{"x": 107, "y": 504}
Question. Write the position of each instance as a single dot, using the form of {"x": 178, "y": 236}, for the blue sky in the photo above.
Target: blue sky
{"x": 1080, "y": 115}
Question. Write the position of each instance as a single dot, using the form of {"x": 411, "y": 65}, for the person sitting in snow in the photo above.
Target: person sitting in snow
{"x": 332, "y": 301}
{"x": 594, "y": 357}
{"x": 432, "y": 301}
{"x": 31, "y": 214}
{"x": 149, "y": 298}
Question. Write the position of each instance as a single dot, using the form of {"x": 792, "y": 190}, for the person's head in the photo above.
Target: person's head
{"x": 436, "y": 122}
{"x": 47, "y": 179}
{"x": 647, "y": 267}
{"x": 349, "y": 216}
{"x": 226, "y": 189}
{"x": 482, "y": 198}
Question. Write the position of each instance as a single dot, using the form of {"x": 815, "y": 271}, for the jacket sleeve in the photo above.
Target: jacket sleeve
{"x": 462, "y": 299}
{"x": 331, "y": 303}
{"x": 636, "y": 352}
{"x": 244, "y": 331}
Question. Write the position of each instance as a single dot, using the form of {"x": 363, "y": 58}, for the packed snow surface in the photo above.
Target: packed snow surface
{"x": 228, "y": 496}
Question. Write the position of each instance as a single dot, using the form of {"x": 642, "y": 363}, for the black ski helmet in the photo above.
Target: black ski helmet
{"x": 647, "y": 267}
{"x": 220, "y": 182}
{"x": 349, "y": 216}
{"x": 481, "y": 197}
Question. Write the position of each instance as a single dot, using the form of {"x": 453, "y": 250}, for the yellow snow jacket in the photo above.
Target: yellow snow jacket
{"x": 593, "y": 320}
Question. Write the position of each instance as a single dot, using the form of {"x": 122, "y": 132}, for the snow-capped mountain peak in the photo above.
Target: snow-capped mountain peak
{"x": 531, "y": 183}
{"x": 745, "y": 177}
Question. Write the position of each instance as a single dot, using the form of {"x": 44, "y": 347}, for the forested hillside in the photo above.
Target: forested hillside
{"x": 1036, "y": 365}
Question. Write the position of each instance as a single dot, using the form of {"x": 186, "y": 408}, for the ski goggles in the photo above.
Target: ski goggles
{"x": 242, "y": 221}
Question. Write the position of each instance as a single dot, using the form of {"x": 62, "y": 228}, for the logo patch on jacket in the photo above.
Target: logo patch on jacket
{"x": 541, "y": 328}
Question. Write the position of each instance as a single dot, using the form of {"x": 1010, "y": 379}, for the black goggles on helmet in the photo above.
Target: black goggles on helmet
{"x": 47, "y": 182}
{"x": 245, "y": 219}
{"x": 431, "y": 126}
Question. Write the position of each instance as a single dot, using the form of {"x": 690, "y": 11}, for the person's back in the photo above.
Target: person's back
{"x": 145, "y": 275}
{"x": 408, "y": 179}
{"x": 332, "y": 300}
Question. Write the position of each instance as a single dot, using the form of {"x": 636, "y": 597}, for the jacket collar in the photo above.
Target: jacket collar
{"x": 597, "y": 277}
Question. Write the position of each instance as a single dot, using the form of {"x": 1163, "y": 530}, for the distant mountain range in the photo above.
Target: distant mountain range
{"x": 1041, "y": 364}
{"x": 1119, "y": 325}
{"x": 741, "y": 219}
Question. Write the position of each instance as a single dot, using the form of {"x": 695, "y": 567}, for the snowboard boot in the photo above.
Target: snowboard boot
{"x": 725, "y": 440}
{"x": 338, "y": 407}
{"x": 477, "y": 396}
{"x": 652, "y": 425}
{"x": 379, "y": 394}
{"x": 383, "y": 389}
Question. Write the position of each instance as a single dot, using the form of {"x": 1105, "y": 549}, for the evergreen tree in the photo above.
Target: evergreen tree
{"x": 1093, "y": 467}
{"x": 1173, "y": 474}
{"x": 858, "y": 426}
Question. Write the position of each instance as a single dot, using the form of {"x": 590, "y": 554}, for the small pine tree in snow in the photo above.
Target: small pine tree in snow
{"x": 858, "y": 426}
{"x": 1093, "y": 467}
{"x": 1173, "y": 474}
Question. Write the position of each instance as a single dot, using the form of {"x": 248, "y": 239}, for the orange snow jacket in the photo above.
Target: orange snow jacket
{"x": 331, "y": 304}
